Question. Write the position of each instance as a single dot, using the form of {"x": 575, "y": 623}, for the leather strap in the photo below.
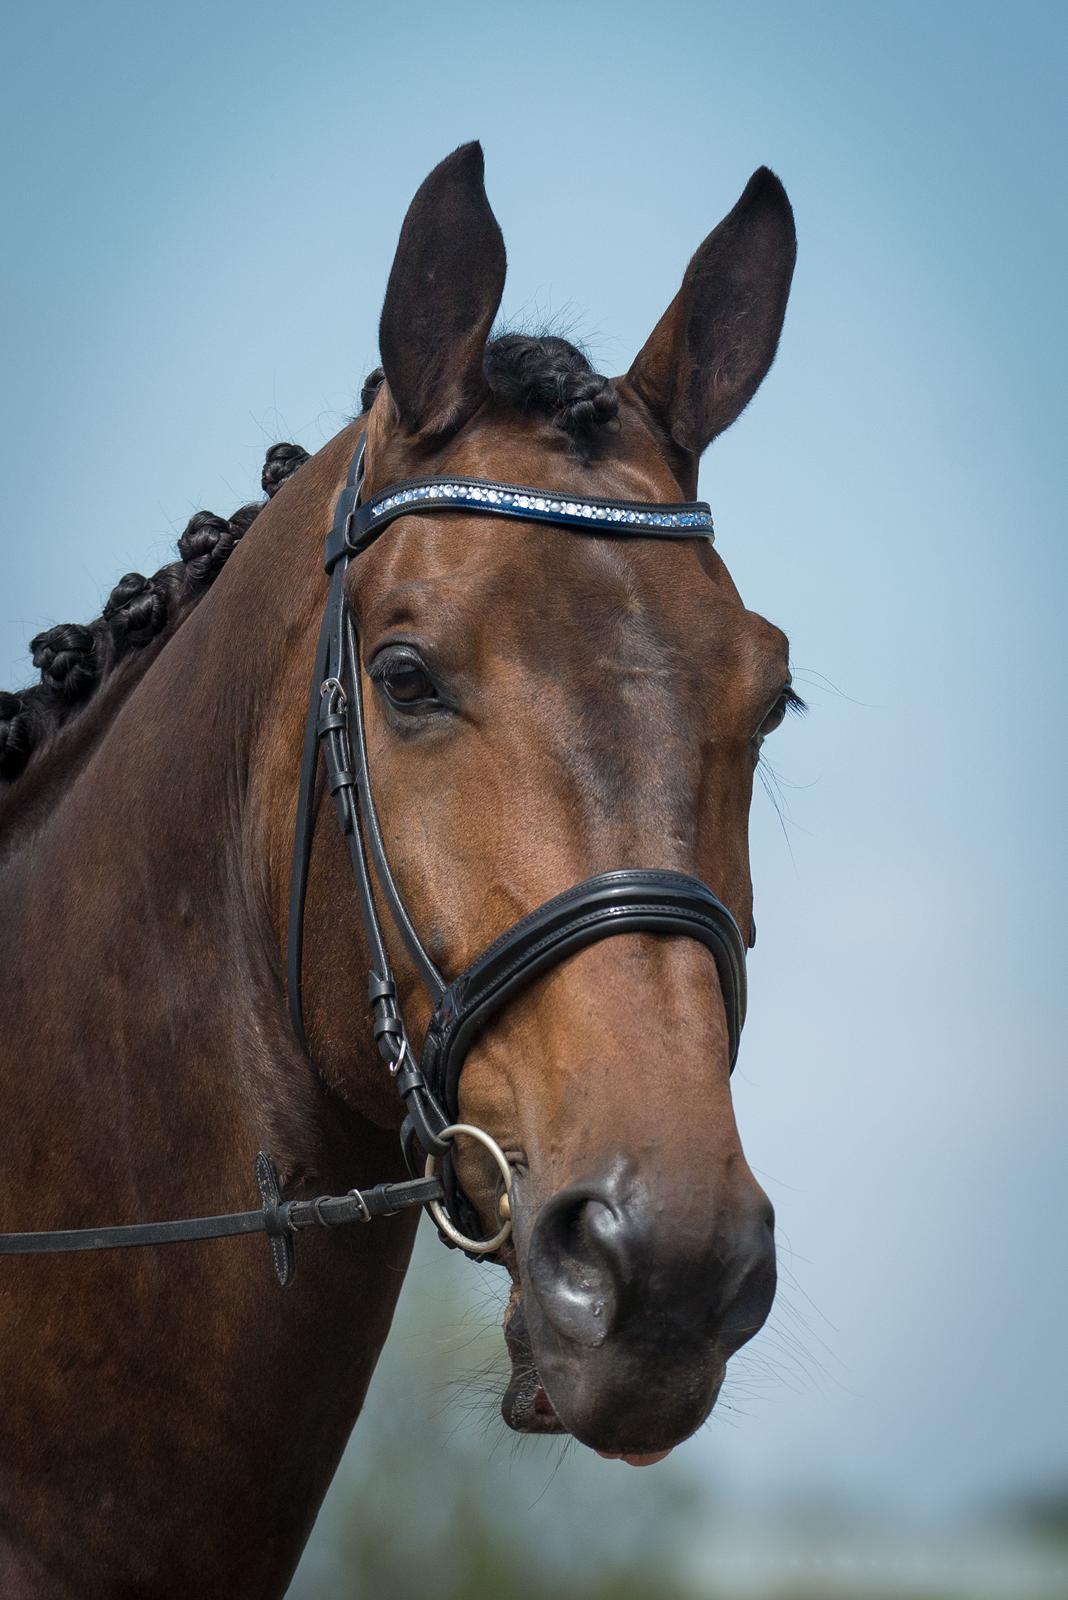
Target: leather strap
{"x": 628, "y": 901}
{"x": 358, "y": 525}
{"x": 279, "y": 1219}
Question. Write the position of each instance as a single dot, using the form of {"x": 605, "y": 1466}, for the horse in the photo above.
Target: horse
{"x": 541, "y": 704}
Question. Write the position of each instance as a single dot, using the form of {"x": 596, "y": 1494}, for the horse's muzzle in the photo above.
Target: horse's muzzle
{"x": 632, "y": 1312}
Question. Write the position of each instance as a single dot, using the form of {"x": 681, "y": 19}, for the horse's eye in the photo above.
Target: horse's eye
{"x": 404, "y": 681}
{"x": 773, "y": 718}
{"x": 787, "y": 701}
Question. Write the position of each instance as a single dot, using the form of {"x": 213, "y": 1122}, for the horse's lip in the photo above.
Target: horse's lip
{"x": 527, "y": 1409}
{"x": 634, "y": 1459}
{"x": 526, "y": 1406}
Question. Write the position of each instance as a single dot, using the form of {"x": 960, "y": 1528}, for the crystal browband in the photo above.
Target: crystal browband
{"x": 361, "y": 524}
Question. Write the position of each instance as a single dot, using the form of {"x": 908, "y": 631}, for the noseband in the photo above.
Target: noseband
{"x": 628, "y": 900}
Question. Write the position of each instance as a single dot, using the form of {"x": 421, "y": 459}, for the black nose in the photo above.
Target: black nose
{"x": 582, "y": 1259}
{"x": 603, "y": 1254}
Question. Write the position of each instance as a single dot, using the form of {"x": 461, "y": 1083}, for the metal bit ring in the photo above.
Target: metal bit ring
{"x": 478, "y": 1247}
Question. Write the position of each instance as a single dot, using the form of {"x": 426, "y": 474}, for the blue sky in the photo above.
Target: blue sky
{"x": 202, "y": 204}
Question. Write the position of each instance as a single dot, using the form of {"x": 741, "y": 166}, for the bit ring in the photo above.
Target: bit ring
{"x": 477, "y": 1247}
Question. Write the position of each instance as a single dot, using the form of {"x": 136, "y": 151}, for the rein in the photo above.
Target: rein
{"x": 627, "y": 900}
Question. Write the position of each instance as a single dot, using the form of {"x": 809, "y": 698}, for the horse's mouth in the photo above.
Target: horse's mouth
{"x": 526, "y": 1406}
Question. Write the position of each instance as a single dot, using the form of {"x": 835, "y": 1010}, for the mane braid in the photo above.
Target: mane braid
{"x": 76, "y": 661}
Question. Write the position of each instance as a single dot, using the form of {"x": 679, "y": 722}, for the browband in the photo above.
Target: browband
{"x": 356, "y": 525}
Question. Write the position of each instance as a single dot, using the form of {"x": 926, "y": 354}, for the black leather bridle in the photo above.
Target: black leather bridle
{"x": 627, "y": 900}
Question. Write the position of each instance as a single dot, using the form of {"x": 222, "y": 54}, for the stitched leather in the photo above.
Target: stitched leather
{"x": 625, "y": 901}
{"x": 646, "y": 520}
{"x": 279, "y": 1219}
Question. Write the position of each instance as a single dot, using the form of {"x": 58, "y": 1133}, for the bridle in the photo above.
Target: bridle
{"x": 627, "y": 900}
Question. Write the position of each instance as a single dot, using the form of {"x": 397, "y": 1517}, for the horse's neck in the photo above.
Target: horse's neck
{"x": 144, "y": 951}
{"x": 148, "y": 1058}
{"x": 142, "y": 906}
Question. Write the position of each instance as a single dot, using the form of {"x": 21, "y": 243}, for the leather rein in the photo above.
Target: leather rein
{"x": 627, "y": 900}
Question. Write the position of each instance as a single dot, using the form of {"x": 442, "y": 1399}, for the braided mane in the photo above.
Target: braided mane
{"x": 79, "y": 663}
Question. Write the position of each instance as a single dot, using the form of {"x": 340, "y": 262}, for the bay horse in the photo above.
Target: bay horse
{"x": 540, "y": 705}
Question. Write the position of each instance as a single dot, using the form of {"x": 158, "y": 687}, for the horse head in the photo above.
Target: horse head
{"x": 543, "y": 706}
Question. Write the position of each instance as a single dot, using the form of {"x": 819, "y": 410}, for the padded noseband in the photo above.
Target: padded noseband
{"x": 631, "y": 900}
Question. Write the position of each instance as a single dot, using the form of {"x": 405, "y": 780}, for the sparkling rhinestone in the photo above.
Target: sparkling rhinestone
{"x": 539, "y": 505}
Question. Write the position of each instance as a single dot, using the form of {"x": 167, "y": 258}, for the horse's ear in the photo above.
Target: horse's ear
{"x": 708, "y": 354}
{"x": 443, "y": 293}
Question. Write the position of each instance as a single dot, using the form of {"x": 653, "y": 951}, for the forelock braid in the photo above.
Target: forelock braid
{"x": 550, "y": 374}
{"x": 72, "y": 658}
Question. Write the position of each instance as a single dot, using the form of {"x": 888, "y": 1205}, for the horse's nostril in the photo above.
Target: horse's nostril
{"x": 604, "y": 1259}
{"x": 579, "y": 1264}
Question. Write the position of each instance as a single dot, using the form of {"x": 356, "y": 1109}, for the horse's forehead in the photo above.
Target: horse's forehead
{"x": 564, "y": 601}
{"x": 558, "y": 590}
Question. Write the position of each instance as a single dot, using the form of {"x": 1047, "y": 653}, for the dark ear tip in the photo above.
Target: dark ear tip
{"x": 766, "y": 188}
{"x": 467, "y": 160}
